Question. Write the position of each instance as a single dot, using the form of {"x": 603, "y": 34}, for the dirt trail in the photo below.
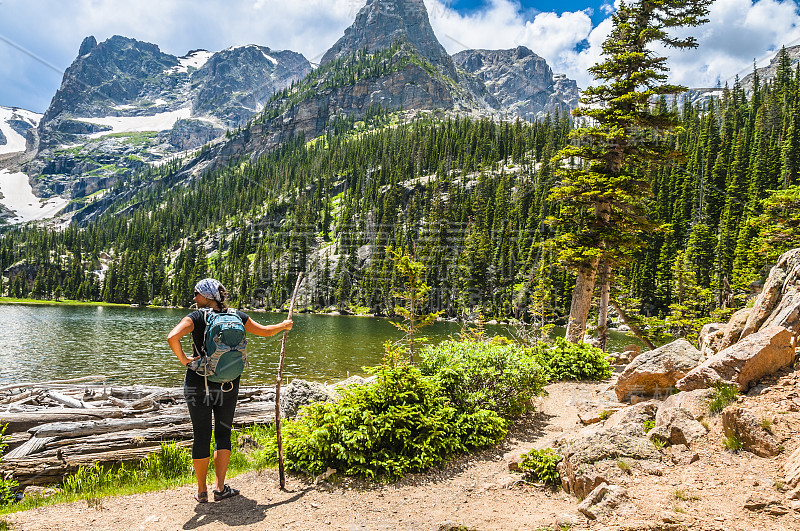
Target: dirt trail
{"x": 470, "y": 491}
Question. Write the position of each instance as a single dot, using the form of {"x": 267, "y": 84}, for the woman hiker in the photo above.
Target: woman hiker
{"x": 204, "y": 397}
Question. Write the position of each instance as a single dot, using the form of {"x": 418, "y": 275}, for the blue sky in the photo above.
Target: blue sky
{"x": 40, "y": 38}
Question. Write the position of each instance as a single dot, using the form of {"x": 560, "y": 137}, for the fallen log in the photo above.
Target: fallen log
{"x": 42, "y": 472}
{"x": 25, "y": 420}
{"x": 97, "y": 427}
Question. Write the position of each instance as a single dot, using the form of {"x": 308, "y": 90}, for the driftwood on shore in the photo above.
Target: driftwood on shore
{"x": 54, "y": 428}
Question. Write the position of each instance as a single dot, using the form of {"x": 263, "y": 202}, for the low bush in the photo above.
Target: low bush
{"x": 572, "y": 361}
{"x": 542, "y": 465}
{"x": 485, "y": 375}
{"x": 401, "y": 422}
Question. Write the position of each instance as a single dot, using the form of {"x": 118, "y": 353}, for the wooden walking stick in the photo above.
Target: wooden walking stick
{"x": 278, "y": 387}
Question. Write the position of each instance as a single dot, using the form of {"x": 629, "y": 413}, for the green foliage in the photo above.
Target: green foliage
{"x": 398, "y": 424}
{"x": 649, "y": 425}
{"x": 8, "y": 485}
{"x": 172, "y": 461}
{"x": 543, "y": 465}
{"x": 572, "y": 361}
{"x": 413, "y": 297}
{"x": 483, "y": 375}
{"x": 724, "y": 394}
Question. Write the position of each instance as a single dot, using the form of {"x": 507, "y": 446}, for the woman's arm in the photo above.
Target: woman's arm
{"x": 186, "y": 326}
{"x": 266, "y": 330}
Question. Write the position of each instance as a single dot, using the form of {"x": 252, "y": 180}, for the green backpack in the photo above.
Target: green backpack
{"x": 225, "y": 347}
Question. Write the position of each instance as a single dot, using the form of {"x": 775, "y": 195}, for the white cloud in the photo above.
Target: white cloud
{"x": 739, "y": 31}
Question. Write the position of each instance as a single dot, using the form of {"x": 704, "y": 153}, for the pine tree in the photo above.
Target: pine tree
{"x": 603, "y": 181}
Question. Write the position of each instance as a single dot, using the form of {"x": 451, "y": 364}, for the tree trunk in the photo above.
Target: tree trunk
{"x": 635, "y": 329}
{"x": 581, "y": 302}
{"x": 605, "y": 294}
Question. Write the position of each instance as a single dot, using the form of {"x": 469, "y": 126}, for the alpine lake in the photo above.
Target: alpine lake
{"x": 128, "y": 345}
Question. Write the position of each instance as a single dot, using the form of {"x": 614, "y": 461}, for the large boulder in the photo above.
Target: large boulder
{"x": 743, "y": 424}
{"x": 300, "y": 393}
{"x": 636, "y": 414}
{"x": 655, "y": 372}
{"x": 677, "y": 426}
{"x": 752, "y": 358}
{"x": 591, "y": 460}
{"x": 695, "y": 402}
{"x": 733, "y": 330}
{"x": 779, "y": 301}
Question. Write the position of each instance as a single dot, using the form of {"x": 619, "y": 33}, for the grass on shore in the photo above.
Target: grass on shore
{"x": 61, "y": 302}
{"x": 167, "y": 469}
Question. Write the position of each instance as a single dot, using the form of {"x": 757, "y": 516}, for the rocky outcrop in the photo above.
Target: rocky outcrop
{"x": 234, "y": 84}
{"x": 677, "y": 426}
{"x": 655, "y": 372}
{"x": 300, "y": 393}
{"x": 779, "y": 301}
{"x": 189, "y": 134}
{"x": 744, "y": 426}
{"x": 750, "y": 359}
{"x": 521, "y": 81}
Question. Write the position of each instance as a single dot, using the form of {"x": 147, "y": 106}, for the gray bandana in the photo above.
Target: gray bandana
{"x": 209, "y": 288}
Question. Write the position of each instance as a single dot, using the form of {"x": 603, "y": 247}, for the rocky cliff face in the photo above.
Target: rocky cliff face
{"x": 382, "y": 22}
{"x": 520, "y": 80}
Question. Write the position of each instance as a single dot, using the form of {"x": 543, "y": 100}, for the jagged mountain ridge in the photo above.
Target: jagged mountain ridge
{"x": 124, "y": 103}
{"x": 521, "y": 81}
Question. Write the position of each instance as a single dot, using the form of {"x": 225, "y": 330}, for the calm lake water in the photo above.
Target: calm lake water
{"x": 128, "y": 345}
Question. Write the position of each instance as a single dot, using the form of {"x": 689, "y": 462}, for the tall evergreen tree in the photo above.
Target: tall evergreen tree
{"x": 603, "y": 181}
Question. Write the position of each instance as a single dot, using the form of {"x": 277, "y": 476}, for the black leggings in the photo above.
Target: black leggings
{"x": 222, "y": 404}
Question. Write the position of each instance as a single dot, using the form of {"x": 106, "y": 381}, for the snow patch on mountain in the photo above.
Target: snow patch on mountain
{"x": 15, "y": 141}
{"x": 195, "y": 59}
{"x": 18, "y": 197}
{"x": 132, "y": 124}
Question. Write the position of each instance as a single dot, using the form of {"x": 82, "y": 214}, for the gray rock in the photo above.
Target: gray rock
{"x": 678, "y": 426}
{"x": 752, "y": 358}
{"x": 580, "y": 468}
{"x": 695, "y": 402}
{"x": 300, "y": 393}
{"x": 603, "y": 500}
{"x": 743, "y": 424}
{"x": 655, "y": 372}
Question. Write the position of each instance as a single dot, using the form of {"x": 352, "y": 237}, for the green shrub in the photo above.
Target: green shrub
{"x": 649, "y": 425}
{"x": 485, "y": 375}
{"x": 572, "y": 361}
{"x": 399, "y": 423}
{"x": 542, "y": 465}
{"x": 724, "y": 394}
{"x": 732, "y": 443}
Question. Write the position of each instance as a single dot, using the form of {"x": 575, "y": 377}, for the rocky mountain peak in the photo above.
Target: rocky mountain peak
{"x": 522, "y": 82}
{"x": 380, "y": 23}
{"x": 88, "y": 44}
